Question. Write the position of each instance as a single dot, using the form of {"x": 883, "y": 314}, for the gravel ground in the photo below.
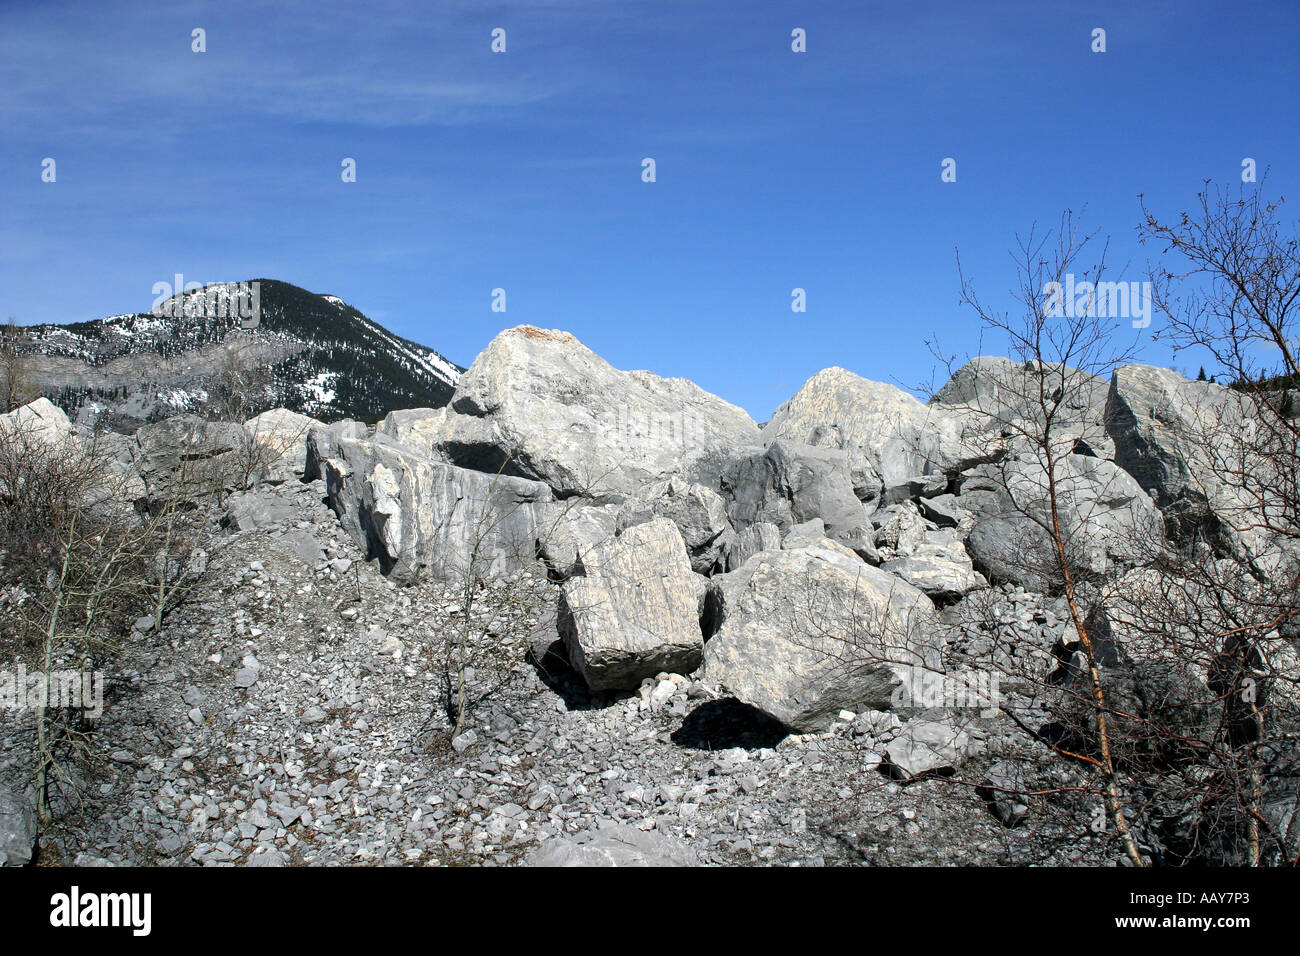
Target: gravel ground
{"x": 292, "y": 713}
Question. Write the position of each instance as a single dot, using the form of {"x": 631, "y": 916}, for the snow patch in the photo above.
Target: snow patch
{"x": 320, "y": 388}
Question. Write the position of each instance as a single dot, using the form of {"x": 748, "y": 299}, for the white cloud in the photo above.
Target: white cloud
{"x": 359, "y": 64}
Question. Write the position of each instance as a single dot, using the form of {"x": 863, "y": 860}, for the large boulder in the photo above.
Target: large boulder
{"x": 897, "y": 446}
{"x": 280, "y": 437}
{"x": 636, "y": 610}
{"x": 575, "y": 529}
{"x": 1098, "y": 501}
{"x": 1105, "y": 517}
{"x": 789, "y": 483}
{"x": 187, "y": 458}
{"x": 323, "y": 442}
{"x": 1012, "y": 548}
{"x": 419, "y": 516}
{"x": 698, "y": 512}
{"x": 760, "y": 536}
{"x": 939, "y": 566}
{"x": 812, "y": 534}
{"x": 926, "y": 744}
{"x": 946, "y": 511}
{"x": 1005, "y": 399}
{"x": 40, "y": 421}
{"x": 899, "y": 529}
{"x": 614, "y": 844}
{"x": 809, "y": 632}
{"x": 1187, "y": 443}
{"x": 987, "y": 383}
{"x": 540, "y": 404}
{"x": 416, "y": 428}
{"x": 1154, "y": 415}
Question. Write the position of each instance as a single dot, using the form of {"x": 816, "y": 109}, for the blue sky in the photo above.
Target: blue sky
{"x": 522, "y": 170}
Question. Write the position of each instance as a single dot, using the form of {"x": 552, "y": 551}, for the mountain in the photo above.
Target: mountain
{"x": 312, "y": 353}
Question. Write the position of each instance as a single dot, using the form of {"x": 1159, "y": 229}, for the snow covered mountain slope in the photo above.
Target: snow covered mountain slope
{"x": 322, "y": 357}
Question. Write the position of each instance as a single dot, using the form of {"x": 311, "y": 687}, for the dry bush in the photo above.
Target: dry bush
{"x": 16, "y": 386}
{"x": 240, "y": 387}
{"x": 81, "y": 563}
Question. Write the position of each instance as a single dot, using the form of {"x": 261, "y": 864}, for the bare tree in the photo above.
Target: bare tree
{"x": 1172, "y": 690}
{"x": 1228, "y": 286}
{"x": 240, "y": 387}
{"x": 1062, "y": 349}
{"x": 16, "y": 388}
{"x": 1248, "y": 294}
{"x": 86, "y": 549}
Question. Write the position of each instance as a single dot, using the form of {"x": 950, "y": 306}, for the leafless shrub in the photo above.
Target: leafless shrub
{"x": 1060, "y": 357}
{"x": 81, "y": 563}
{"x": 16, "y": 387}
{"x": 1227, "y": 600}
{"x": 87, "y": 550}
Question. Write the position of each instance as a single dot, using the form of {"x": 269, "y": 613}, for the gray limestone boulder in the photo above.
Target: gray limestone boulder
{"x": 636, "y": 609}
{"x": 419, "y": 516}
{"x": 322, "y": 443}
{"x": 186, "y": 458}
{"x": 789, "y": 483}
{"x": 40, "y": 420}
{"x": 760, "y": 536}
{"x": 929, "y": 744}
{"x": 699, "y": 513}
{"x": 809, "y": 632}
{"x": 280, "y": 437}
{"x": 1004, "y": 401}
{"x": 939, "y": 566}
{"x": 540, "y": 404}
{"x": 1189, "y": 444}
{"x": 897, "y": 446}
{"x": 416, "y": 428}
{"x": 1105, "y": 517}
{"x": 575, "y": 528}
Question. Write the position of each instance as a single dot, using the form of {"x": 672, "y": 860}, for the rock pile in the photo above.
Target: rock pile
{"x": 686, "y": 535}
{"x": 651, "y": 570}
